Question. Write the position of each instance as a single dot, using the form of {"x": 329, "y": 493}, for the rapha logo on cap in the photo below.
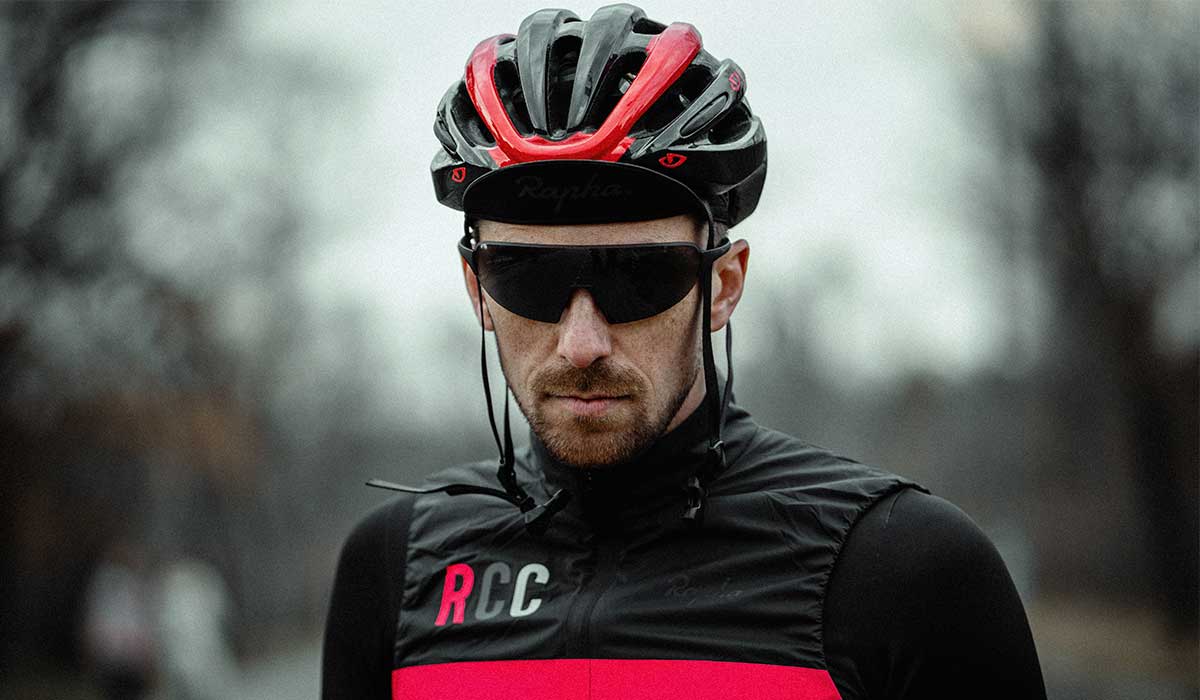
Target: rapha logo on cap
{"x": 534, "y": 187}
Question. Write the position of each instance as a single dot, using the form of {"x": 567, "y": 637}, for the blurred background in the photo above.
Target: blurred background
{"x": 227, "y": 297}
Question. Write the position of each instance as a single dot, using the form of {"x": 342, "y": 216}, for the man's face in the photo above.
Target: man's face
{"x": 597, "y": 393}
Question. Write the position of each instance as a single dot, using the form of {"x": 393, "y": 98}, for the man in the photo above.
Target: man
{"x": 653, "y": 541}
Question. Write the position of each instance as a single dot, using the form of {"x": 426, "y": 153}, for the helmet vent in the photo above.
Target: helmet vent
{"x": 675, "y": 100}
{"x": 443, "y": 135}
{"x": 617, "y": 79}
{"x": 462, "y": 110}
{"x": 730, "y": 127}
{"x": 648, "y": 26}
{"x": 508, "y": 84}
{"x": 563, "y": 63}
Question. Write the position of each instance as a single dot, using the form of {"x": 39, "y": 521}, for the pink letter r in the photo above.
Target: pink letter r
{"x": 453, "y": 595}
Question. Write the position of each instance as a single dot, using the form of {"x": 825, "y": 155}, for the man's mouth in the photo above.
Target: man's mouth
{"x": 589, "y": 405}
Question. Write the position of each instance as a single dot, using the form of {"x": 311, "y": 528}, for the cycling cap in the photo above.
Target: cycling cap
{"x": 617, "y": 118}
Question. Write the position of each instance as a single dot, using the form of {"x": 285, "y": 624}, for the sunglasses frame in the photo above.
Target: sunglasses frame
{"x": 467, "y": 248}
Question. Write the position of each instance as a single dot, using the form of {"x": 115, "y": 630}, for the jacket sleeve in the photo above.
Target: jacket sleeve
{"x": 356, "y": 658}
{"x": 920, "y": 605}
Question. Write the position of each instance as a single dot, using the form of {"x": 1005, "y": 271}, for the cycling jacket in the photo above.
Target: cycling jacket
{"x": 621, "y": 599}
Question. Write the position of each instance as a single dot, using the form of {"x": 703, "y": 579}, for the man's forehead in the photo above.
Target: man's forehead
{"x": 675, "y": 228}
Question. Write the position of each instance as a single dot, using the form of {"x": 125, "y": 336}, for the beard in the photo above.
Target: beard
{"x": 633, "y": 423}
{"x": 621, "y": 434}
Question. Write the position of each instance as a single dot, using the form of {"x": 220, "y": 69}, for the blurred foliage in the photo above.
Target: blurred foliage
{"x": 86, "y": 95}
{"x": 83, "y": 326}
{"x": 148, "y": 309}
{"x": 1080, "y": 455}
{"x": 163, "y": 383}
{"x": 1105, "y": 111}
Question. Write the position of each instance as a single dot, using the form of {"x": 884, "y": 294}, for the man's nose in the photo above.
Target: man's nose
{"x": 583, "y": 332}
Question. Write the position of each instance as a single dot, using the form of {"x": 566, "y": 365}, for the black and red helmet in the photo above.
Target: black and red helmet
{"x": 615, "y": 118}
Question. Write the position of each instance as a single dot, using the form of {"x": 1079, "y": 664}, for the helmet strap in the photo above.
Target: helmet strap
{"x": 537, "y": 517}
{"x": 718, "y": 402}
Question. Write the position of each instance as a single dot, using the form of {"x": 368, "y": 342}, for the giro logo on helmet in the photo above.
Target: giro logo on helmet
{"x": 672, "y": 160}
{"x": 735, "y": 81}
{"x": 533, "y": 187}
{"x": 458, "y": 174}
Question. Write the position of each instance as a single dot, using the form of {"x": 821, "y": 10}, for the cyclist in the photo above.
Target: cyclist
{"x": 653, "y": 541}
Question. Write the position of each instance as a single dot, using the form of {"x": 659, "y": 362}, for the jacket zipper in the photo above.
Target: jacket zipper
{"x": 606, "y": 549}
{"x": 606, "y": 559}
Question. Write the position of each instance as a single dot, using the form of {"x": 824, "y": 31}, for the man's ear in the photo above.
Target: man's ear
{"x": 728, "y": 281}
{"x": 473, "y": 292}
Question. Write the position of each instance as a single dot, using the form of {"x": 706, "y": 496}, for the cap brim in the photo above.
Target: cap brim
{"x": 578, "y": 192}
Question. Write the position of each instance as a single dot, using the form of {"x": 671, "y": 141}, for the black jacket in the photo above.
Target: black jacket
{"x": 811, "y": 576}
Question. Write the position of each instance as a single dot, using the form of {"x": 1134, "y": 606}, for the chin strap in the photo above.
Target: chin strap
{"x": 537, "y": 516}
{"x": 697, "y": 484}
{"x": 718, "y": 402}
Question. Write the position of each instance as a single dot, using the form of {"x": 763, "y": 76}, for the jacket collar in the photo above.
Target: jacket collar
{"x": 651, "y": 483}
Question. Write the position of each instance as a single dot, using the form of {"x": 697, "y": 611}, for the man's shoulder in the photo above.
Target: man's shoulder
{"x": 959, "y": 613}
{"x": 776, "y": 461}
{"x": 930, "y": 534}
{"x": 768, "y": 460}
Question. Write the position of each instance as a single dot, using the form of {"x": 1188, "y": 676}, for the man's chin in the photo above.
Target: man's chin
{"x": 591, "y": 452}
{"x": 593, "y": 434}
{"x": 592, "y": 442}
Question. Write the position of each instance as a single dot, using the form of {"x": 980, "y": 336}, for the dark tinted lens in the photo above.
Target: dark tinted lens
{"x": 629, "y": 283}
{"x": 530, "y": 281}
{"x": 639, "y": 282}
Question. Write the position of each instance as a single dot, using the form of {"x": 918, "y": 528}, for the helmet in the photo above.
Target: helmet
{"x": 660, "y": 125}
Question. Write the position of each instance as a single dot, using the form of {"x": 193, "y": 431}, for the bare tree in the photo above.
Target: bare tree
{"x": 1107, "y": 114}
{"x": 70, "y": 293}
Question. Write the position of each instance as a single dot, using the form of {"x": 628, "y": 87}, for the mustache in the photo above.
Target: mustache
{"x": 598, "y": 378}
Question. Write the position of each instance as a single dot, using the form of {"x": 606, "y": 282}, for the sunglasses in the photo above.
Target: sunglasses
{"x": 627, "y": 282}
